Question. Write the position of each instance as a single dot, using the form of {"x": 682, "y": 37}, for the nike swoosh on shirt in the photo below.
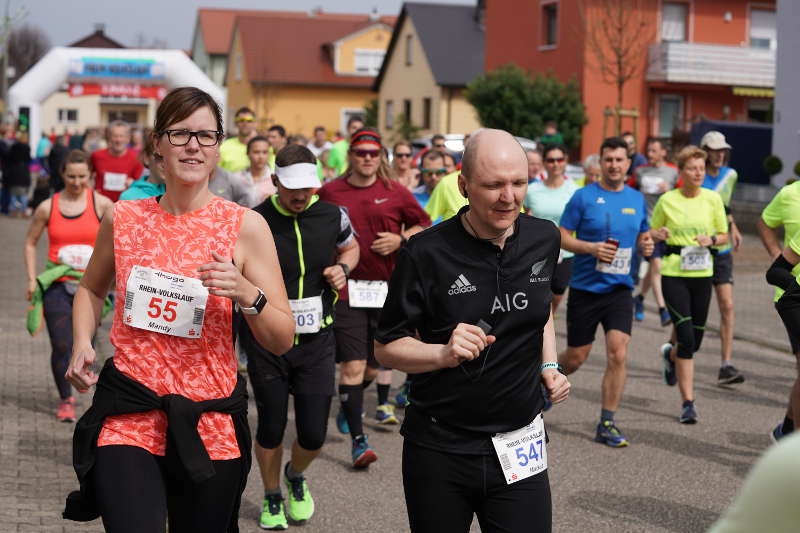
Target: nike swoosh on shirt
{"x": 380, "y": 200}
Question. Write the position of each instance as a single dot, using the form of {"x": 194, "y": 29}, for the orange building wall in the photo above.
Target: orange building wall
{"x": 514, "y": 35}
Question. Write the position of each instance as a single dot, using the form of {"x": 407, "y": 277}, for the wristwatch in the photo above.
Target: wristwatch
{"x": 257, "y": 306}
{"x": 713, "y": 240}
{"x": 345, "y": 268}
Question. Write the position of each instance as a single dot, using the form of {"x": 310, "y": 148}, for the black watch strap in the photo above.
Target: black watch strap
{"x": 345, "y": 268}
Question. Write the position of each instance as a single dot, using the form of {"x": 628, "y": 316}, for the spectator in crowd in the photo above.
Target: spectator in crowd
{"x": 259, "y": 174}
{"x": 551, "y": 134}
{"x": 402, "y": 171}
{"x": 298, "y": 139}
{"x": 591, "y": 170}
{"x": 116, "y": 167}
{"x": 151, "y": 183}
{"x": 92, "y": 141}
{"x": 432, "y": 171}
{"x": 55, "y": 160}
{"x": 449, "y": 162}
{"x": 636, "y": 158}
{"x": 338, "y": 158}
{"x": 320, "y": 143}
{"x": 43, "y": 148}
{"x": 137, "y": 140}
{"x": 17, "y": 176}
{"x": 276, "y": 135}
{"x": 233, "y": 151}
{"x": 535, "y": 165}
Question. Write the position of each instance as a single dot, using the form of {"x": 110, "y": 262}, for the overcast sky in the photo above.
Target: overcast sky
{"x": 66, "y": 21}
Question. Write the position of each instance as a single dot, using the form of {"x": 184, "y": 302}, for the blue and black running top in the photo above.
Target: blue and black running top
{"x": 307, "y": 243}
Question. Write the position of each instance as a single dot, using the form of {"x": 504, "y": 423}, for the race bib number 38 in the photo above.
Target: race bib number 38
{"x": 522, "y": 453}
{"x": 367, "y": 293}
{"x": 165, "y": 303}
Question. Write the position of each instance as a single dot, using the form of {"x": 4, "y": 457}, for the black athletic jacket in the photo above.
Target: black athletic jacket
{"x": 117, "y": 394}
{"x": 445, "y": 276}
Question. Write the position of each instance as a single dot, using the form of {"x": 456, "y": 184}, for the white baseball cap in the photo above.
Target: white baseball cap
{"x": 298, "y": 176}
{"x": 714, "y": 140}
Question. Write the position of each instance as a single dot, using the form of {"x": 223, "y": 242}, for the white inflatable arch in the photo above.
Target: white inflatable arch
{"x": 63, "y": 64}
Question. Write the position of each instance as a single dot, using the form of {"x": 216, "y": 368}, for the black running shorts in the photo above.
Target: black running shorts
{"x": 585, "y": 310}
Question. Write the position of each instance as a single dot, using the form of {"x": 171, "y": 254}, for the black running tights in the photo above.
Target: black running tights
{"x": 58, "y": 317}
{"x": 687, "y": 300}
{"x": 138, "y": 491}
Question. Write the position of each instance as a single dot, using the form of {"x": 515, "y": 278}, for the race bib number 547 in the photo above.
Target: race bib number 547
{"x": 522, "y": 453}
{"x": 164, "y": 302}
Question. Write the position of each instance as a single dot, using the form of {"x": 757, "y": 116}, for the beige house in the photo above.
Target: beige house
{"x": 435, "y": 50}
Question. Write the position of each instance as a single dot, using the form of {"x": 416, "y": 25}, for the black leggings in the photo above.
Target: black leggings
{"x": 137, "y": 491}
{"x": 272, "y": 403}
{"x": 58, "y": 317}
{"x": 688, "y": 300}
{"x": 443, "y": 490}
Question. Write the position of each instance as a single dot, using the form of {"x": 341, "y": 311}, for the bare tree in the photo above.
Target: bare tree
{"x": 618, "y": 33}
{"x": 26, "y": 45}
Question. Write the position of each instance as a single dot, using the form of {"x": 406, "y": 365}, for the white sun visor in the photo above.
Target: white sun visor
{"x": 298, "y": 176}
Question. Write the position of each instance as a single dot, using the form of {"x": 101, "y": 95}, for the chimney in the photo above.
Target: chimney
{"x": 316, "y": 10}
{"x": 373, "y": 15}
{"x": 99, "y": 27}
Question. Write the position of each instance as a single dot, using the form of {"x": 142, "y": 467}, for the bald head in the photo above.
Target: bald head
{"x": 489, "y": 148}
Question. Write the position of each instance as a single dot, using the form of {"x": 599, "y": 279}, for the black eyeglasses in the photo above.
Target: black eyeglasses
{"x": 182, "y": 137}
{"x": 400, "y": 154}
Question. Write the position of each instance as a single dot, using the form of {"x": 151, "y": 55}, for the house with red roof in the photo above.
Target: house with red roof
{"x": 297, "y": 69}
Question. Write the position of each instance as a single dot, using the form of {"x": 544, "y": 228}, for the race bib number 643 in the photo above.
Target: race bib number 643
{"x": 164, "y": 302}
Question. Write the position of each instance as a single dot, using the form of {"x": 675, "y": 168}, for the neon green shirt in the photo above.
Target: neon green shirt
{"x": 686, "y": 218}
{"x": 784, "y": 210}
{"x": 445, "y": 199}
{"x": 233, "y": 155}
{"x": 337, "y": 157}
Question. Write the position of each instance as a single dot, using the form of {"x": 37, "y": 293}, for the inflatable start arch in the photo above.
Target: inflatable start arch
{"x": 107, "y": 71}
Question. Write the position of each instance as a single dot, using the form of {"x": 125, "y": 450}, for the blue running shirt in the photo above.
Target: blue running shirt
{"x": 595, "y": 214}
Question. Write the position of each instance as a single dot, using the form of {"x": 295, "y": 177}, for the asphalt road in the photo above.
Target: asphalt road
{"x": 673, "y": 478}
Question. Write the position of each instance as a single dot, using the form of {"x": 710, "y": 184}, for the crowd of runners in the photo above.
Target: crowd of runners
{"x": 381, "y": 260}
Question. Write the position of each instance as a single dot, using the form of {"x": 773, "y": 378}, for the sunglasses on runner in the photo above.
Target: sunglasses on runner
{"x": 401, "y": 154}
{"x": 438, "y": 145}
{"x": 364, "y": 153}
{"x": 434, "y": 171}
{"x": 555, "y": 160}
{"x": 245, "y": 119}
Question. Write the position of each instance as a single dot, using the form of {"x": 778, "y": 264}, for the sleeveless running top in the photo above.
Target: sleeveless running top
{"x": 198, "y": 368}
{"x": 64, "y": 231}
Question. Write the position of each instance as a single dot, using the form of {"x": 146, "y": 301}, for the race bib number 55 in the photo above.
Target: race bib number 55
{"x": 522, "y": 453}
{"x": 164, "y": 302}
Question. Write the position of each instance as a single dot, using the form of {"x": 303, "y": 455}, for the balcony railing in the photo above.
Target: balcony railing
{"x": 715, "y": 64}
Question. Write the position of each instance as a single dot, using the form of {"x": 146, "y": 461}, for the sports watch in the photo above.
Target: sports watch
{"x": 257, "y": 306}
{"x": 345, "y": 268}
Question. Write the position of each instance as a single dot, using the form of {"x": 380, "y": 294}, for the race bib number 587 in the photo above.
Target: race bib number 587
{"x": 164, "y": 302}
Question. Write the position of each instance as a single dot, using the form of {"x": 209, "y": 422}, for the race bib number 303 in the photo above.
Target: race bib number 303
{"x": 523, "y": 452}
{"x": 307, "y": 314}
{"x": 165, "y": 302}
{"x": 367, "y": 293}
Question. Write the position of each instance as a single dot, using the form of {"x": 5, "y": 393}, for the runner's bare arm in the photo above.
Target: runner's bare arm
{"x": 35, "y": 230}
{"x": 88, "y": 304}
{"x": 769, "y": 238}
{"x": 601, "y": 250}
{"x": 555, "y": 382}
{"x": 255, "y": 252}
{"x": 347, "y": 254}
{"x": 408, "y": 354}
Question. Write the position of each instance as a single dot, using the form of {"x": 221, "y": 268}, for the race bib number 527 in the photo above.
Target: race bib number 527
{"x": 164, "y": 302}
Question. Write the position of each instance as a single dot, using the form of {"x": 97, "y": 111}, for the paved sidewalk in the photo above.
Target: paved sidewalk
{"x": 672, "y": 478}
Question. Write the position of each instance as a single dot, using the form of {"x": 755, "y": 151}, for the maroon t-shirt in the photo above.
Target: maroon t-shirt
{"x": 374, "y": 209}
{"x": 112, "y": 172}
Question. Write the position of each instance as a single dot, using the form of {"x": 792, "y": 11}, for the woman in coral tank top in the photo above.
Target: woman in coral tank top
{"x": 169, "y": 416}
{"x": 71, "y": 219}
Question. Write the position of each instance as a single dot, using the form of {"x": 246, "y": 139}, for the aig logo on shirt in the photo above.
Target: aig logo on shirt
{"x": 536, "y": 269}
